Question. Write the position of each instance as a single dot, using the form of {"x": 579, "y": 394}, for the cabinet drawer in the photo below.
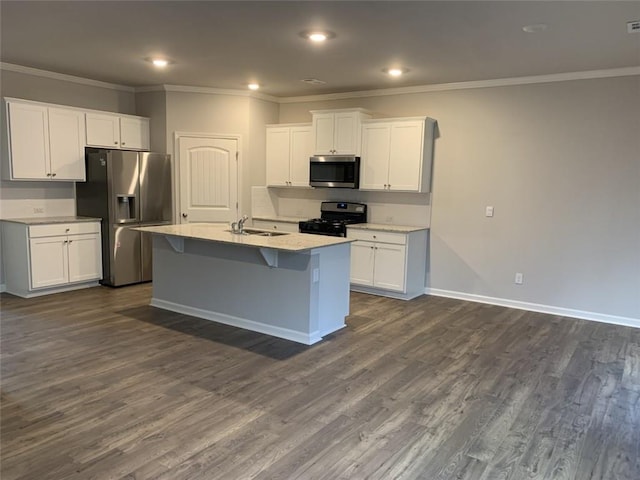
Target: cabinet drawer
{"x": 377, "y": 236}
{"x": 280, "y": 226}
{"x": 54, "y": 229}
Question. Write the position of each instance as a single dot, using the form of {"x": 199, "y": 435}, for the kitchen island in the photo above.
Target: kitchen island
{"x": 293, "y": 286}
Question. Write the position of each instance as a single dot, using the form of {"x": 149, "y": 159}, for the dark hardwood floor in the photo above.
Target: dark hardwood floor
{"x": 98, "y": 385}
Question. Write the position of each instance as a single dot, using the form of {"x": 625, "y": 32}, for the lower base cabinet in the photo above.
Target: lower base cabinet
{"x": 50, "y": 258}
{"x": 388, "y": 263}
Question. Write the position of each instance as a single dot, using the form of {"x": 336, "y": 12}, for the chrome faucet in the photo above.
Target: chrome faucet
{"x": 238, "y": 227}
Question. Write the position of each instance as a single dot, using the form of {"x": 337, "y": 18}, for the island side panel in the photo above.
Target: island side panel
{"x": 233, "y": 285}
{"x": 333, "y": 271}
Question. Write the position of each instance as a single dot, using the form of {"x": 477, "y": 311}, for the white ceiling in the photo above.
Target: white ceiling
{"x": 229, "y": 44}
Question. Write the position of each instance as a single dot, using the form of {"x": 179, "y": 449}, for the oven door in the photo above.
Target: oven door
{"x": 334, "y": 171}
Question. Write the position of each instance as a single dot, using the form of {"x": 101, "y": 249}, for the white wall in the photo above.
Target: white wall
{"x": 154, "y": 106}
{"x": 559, "y": 162}
{"x": 225, "y": 114}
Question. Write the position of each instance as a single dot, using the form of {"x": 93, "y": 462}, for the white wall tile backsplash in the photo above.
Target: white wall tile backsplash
{"x": 412, "y": 209}
{"x": 264, "y": 202}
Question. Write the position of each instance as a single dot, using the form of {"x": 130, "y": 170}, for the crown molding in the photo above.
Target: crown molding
{"x": 10, "y": 67}
{"x": 442, "y": 87}
{"x": 500, "y": 82}
{"x": 207, "y": 91}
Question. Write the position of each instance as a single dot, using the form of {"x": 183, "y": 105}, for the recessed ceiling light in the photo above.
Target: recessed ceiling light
{"x": 395, "y": 71}
{"x": 317, "y": 36}
{"x": 158, "y": 62}
{"x": 253, "y": 86}
{"x": 537, "y": 28}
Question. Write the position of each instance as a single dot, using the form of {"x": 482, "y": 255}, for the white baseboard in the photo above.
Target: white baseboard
{"x": 536, "y": 307}
{"x": 287, "y": 334}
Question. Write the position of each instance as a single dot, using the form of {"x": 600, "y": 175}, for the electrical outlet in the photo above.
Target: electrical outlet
{"x": 38, "y": 210}
{"x": 488, "y": 211}
{"x": 519, "y": 278}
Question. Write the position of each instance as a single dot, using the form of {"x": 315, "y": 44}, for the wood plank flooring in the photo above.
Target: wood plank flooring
{"x": 96, "y": 384}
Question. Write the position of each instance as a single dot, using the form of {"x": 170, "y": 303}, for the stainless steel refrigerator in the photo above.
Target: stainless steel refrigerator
{"x": 126, "y": 189}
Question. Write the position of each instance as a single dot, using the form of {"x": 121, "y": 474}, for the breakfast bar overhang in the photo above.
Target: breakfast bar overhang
{"x": 293, "y": 286}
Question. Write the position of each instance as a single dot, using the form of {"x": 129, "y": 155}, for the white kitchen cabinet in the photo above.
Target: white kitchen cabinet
{"x": 275, "y": 225}
{"x": 337, "y": 132}
{"x": 287, "y": 156}
{"x": 134, "y": 133}
{"x": 44, "y": 142}
{"x": 66, "y": 144}
{"x": 109, "y": 130}
{"x": 388, "y": 263}
{"x": 49, "y": 258}
{"x": 397, "y": 154}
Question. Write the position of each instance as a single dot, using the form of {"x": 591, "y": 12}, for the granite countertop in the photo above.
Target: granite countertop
{"x": 50, "y": 220}
{"x": 278, "y": 219}
{"x": 291, "y": 242}
{"x": 386, "y": 227}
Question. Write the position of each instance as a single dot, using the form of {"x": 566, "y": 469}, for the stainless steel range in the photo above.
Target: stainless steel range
{"x": 334, "y": 218}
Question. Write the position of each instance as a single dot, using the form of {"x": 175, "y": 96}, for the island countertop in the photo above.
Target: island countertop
{"x": 214, "y": 232}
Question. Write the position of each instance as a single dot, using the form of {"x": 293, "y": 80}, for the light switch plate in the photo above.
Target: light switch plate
{"x": 488, "y": 211}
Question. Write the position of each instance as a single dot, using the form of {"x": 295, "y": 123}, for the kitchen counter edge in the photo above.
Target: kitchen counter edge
{"x": 382, "y": 227}
{"x": 51, "y": 220}
{"x": 291, "y": 242}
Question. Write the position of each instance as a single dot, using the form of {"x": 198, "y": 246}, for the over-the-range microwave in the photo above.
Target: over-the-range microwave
{"x": 334, "y": 171}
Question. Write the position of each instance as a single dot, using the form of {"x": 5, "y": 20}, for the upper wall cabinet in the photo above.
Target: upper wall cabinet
{"x": 117, "y": 131}
{"x": 44, "y": 142}
{"x": 337, "y": 132}
{"x": 397, "y": 154}
{"x": 288, "y": 150}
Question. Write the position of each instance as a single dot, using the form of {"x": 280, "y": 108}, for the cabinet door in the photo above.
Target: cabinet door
{"x": 362, "y": 263}
{"x": 346, "y": 134}
{"x": 134, "y": 133}
{"x": 66, "y": 144}
{"x": 323, "y": 133}
{"x": 29, "y": 137}
{"x": 405, "y": 161}
{"x": 85, "y": 257}
{"x": 390, "y": 267}
{"x": 301, "y": 150}
{"x": 48, "y": 258}
{"x": 277, "y": 157}
{"x": 103, "y": 130}
{"x": 374, "y": 169}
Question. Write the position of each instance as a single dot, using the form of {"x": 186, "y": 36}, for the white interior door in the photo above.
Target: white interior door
{"x": 208, "y": 179}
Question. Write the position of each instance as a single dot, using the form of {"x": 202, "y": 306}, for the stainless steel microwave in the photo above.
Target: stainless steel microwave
{"x": 334, "y": 171}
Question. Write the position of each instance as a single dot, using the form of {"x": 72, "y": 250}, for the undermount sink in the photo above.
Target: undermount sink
{"x": 260, "y": 233}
